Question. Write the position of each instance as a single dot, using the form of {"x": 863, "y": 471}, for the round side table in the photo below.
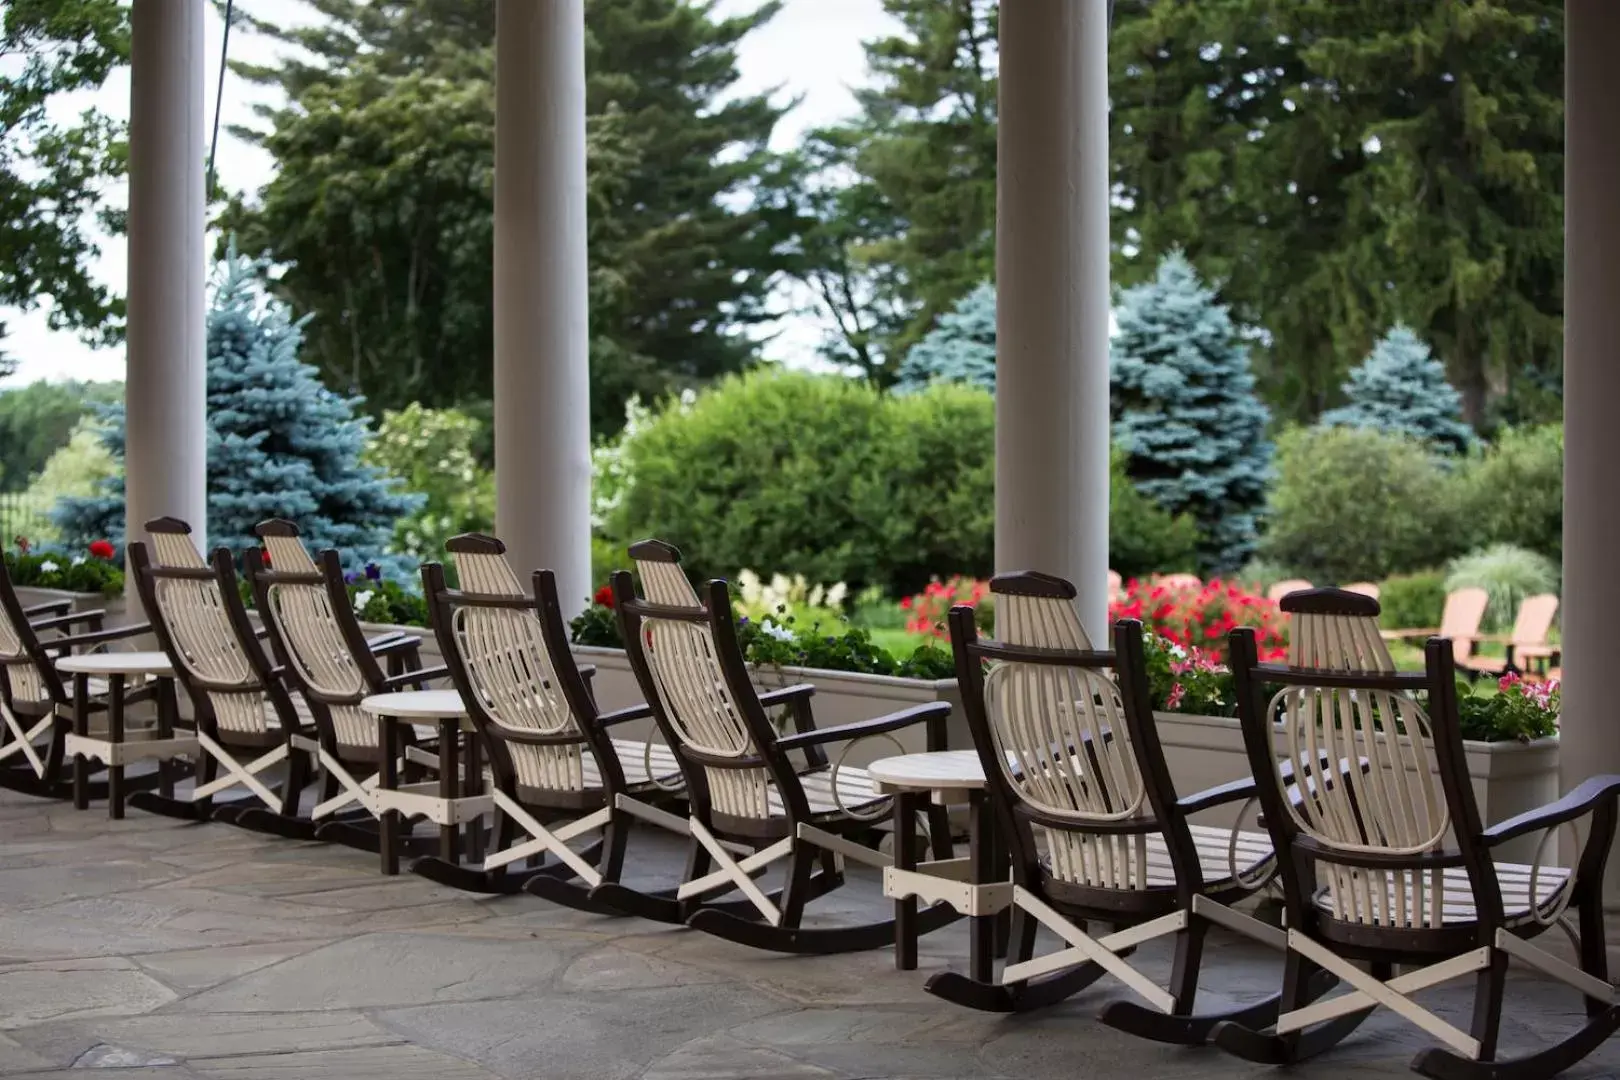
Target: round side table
{"x": 441, "y": 802}
{"x": 119, "y": 747}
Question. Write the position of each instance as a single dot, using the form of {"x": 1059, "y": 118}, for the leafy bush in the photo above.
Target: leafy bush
{"x": 1412, "y": 601}
{"x": 430, "y": 451}
{"x": 1353, "y": 504}
{"x": 1143, "y": 537}
{"x": 1513, "y": 491}
{"x": 817, "y": 475}
{"x": 90, "y": 571}
{"x": 1508, "y": 574}
{"x": 1262, "y": 574}
{"x": 1201, "y": 616}
{"x": 78, "y": 469}
{"x": 608, "y": 556}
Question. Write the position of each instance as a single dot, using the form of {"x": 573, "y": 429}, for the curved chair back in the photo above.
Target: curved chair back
{"x": 31, "y": 683}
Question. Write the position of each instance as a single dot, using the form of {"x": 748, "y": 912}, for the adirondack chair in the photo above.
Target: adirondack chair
{"x": 247, "y": 721}
{"x": 1530, "y": 640}
{"x": 1283, "y": 588}
{"x": 1459, "y": 623}
{"x": 319, "y": 644}
{"x": 1096, "y": 829}
{"x": 751, "y": 804}
{"x": 1394, "y": 868}
{"x": 551, "y": 751}
{"x": 36, "y": 704}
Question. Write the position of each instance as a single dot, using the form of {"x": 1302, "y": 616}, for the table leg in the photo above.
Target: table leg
{"x": 473, "y": 784}
{"x": 81, "y": 728}
{"x": 449, "y": 767}
{"x": 905, "y": 858}
{"x": 115, "y": 737}
{"x": 981, "y": 850}
{"x": 167, "y": 713}
{"x": 388, "y": 780}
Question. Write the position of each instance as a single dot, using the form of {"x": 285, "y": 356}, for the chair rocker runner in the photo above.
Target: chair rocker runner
{"x": 1084, "y": 800}
{"x": 751, "y": 806}
{"x": 319, "y": 644}
{"x": 1394, "y": 869}
{"x": 556, "y": 771}
{"x": 36, "y": 703}
{"x": 247, "y": 722}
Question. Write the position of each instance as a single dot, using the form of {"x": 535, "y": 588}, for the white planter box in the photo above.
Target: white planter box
{"x": 113, "y": 605}
{"x": 1508, "y": 777}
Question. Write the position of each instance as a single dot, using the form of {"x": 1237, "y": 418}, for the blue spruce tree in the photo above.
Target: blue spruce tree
{"x": 1400, "y": 387}
{"x": 280, "y": 444}
{"x": 1186, "y": 413}
{"x": 962, "y": 348}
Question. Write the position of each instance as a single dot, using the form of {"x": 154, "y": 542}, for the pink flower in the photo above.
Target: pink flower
{"x": 1177, "y": 692}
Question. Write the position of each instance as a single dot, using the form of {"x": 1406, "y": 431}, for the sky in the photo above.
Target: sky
{"x": 811, "y": 50}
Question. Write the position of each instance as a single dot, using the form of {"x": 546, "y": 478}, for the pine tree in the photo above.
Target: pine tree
{"x": 1185, "y": 410}
{"x": 279, "y": 443}
{"x": 1401, "y": 388}
{"x": 962, "y": 348}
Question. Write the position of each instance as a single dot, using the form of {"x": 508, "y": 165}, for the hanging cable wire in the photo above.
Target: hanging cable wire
{"x": 219, "y": 98}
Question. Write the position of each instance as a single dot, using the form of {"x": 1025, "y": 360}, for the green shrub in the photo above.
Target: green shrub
{"x": 1412, "y": 601}
{"x": 431, "y": 451}
{"x": 1508, "y": 574}
{"x": 1143, "y": 537}
{"x": 1513, "y": 491}
{"x": 1353, "y": 504}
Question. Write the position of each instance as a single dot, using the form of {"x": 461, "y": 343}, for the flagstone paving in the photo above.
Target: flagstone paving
{"x": 186, "y": 952}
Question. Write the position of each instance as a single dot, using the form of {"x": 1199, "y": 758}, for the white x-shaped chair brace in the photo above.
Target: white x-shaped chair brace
{"x": 544, "y": 840}
{"x": 354, "y": 791}
{"x": 246, "y": 775}
{"x": 23, "y": 739}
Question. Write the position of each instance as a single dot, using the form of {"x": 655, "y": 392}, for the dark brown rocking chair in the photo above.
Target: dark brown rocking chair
{"x": 1097, "y": 833}
{"x": 247, "y": 722}
{"x": 1394, "y": 867}
{"x": 320, "y": 646}
{"x": 556, "y": 770}
{"x": 751, "y": 805}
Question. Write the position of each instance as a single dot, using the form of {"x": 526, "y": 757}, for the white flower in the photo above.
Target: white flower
{"x": 361, "y": 599}
{"x": 78, "y": 560}
{"x": 780, "y": 633}
{"x": 48, "y": 567}
{"x": 1177, "y": 651}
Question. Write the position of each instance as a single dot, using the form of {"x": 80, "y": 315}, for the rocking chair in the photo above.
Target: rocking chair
{"x": 319, "y": 644}
{"x": 1075, "y": 758}
{"x": 551, "y": 756}
{"x": 247, "y": 722}
{"x": 36, "y": 705}
{"x": 751, "y": 805}
{"x": 1394, "y": 867}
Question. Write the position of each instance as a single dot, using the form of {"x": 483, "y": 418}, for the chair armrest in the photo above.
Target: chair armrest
{"x": 629, "y": 712}
{"x": 383, "y": 644}
{"x": 99, "y": 637}
{"x": 786, "y": 695}
{"x": 588, "y": 673}
{"x": 1399, "y": 635}
{"x": 50, "y": 607}
{"x": 68, "y": 620}
{"x": 1577, "y": 803}
{"x": 394, "y": 682}
{"x": 1219, "y": 795}
{"x": 933, "y": 711}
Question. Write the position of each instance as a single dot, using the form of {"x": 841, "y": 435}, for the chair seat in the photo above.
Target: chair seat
{"x": 1253, "y": 856}
{"x": 634, "y": 757}
{"x": 1458, "y": 894}
{"x": 854, "y": 794}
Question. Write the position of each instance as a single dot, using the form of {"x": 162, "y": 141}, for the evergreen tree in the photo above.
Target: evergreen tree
{"x": 1400, "y": 388}
{"x": 1185, "y": 410}
{"x": 279, "y": 443}
{"x": 962, "y": 348}
{"x": 382, "y": 197}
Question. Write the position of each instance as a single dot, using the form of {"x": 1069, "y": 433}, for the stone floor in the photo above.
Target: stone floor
{"x": 175, "y": 951}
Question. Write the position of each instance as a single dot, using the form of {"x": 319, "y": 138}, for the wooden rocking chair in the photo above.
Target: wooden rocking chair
{"x": 751, "y": 805}
{"x": 1394, "y": 869}
{"x": 1097, "y": 833}
{"x": 247, "y": 722}
{"x": 320, "y": 646}
{"x": 551, "y": 754}
{"x": 36, "y": 705}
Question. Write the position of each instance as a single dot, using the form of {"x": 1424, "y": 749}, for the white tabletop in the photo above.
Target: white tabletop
{"x": 117, "y": 663}
{"x": 416, "y": 704}
{"x": 942, "y": 770}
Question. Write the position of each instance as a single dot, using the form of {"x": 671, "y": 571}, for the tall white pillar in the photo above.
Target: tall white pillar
{"x": 165, "y": 383}
{"x": 542, "y": 388}
{"x": 1052, "y": 297}
{"x": 1591, "y": 734}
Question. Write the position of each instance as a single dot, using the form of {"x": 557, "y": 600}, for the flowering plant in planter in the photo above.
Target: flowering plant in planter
{"x": 596, "y": 625}
{"x": 93, "y": 571}
{"x": 1519, "y": 711}
{"x": 926, "y": 611}
{"x": 1187, "y": 679}
{"x": 1203, "y": 615}
{"x": 375, "y": 598}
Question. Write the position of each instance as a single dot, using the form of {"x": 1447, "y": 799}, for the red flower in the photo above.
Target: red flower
{"x": 604, "y": 596}
{"x": 102, "y": 549}
{"x": 905, "y": 604}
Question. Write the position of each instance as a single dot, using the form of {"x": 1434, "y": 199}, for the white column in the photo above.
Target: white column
{"x": 1052, "y": 297}
{"x": 542, "y": 389}
{"x": 165, "y": 383}
{"x": 1591, "y": 601}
